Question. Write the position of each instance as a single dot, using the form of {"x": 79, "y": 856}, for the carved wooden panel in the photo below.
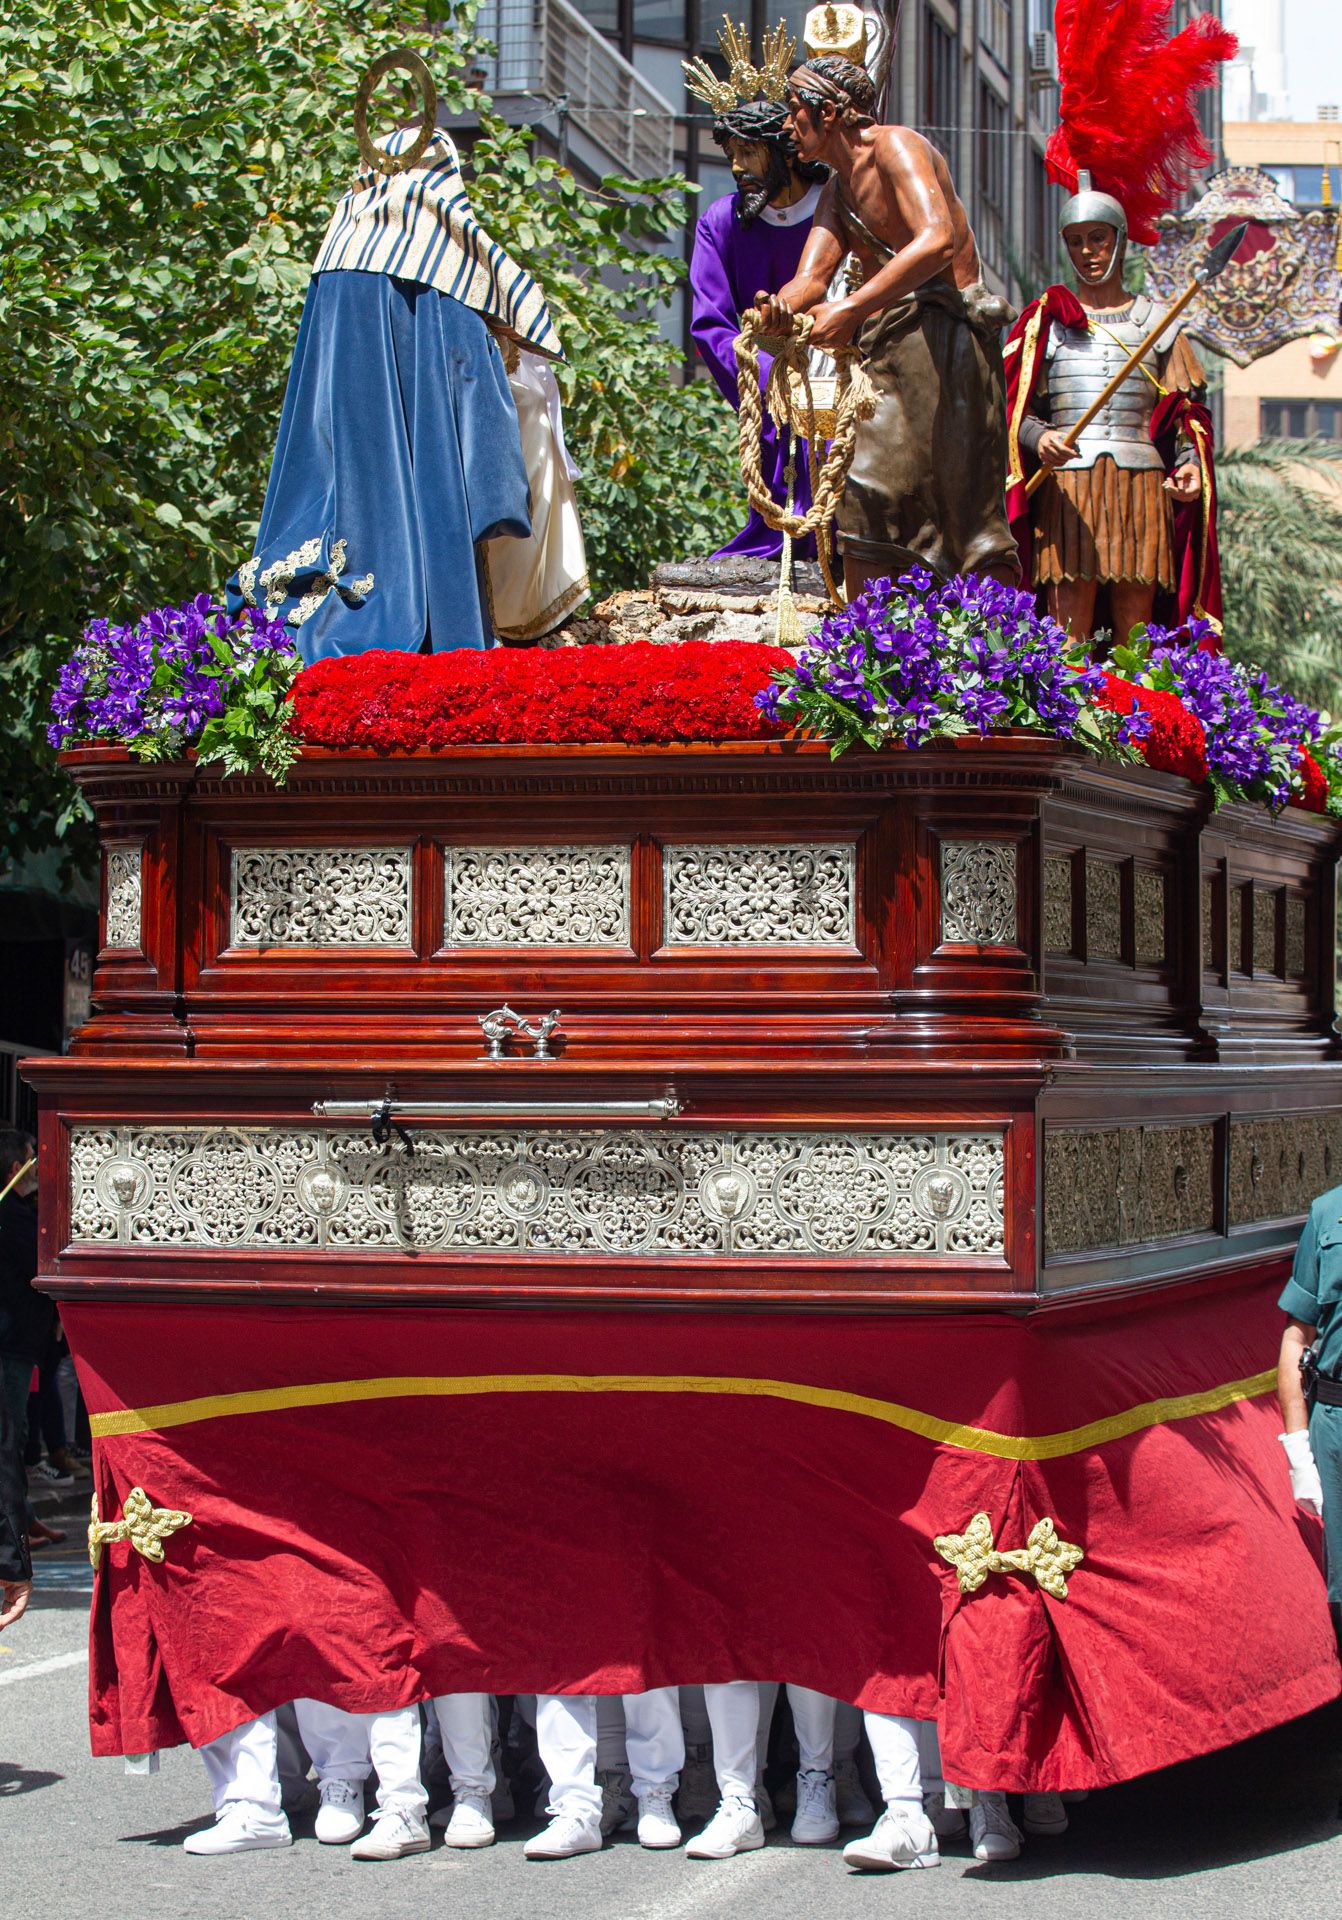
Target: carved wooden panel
{"x": 320, "y": 897}
{"x": 1296, "y": 966}
{"x": 541, "y": 896}
{"x": 123, "y": 864}
{"x": 760, "y": 894}
{"x": 1208, "y": 921}
{"x": 696, "y": 1194}
{"x": 1281, "y": 1163}
{"x": 1104, "y": 909}
{"x": 978, "y": 894}
{"x": 1111, "y": 1187}
{"x": 1265, "y": 928}
{"x": 1058, "y": 936}
{"x": 1237, "y": 923}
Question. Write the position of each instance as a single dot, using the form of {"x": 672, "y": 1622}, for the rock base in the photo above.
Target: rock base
{"x": 733, "y": 599}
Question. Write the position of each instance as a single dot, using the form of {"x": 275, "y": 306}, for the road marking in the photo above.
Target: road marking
{"x": 53, "y": 1664}
{"x": 703, "y": 1892}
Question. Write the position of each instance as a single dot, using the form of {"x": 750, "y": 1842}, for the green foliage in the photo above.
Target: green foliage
{"x": 171, "y": 165}
{"x": 1281, "y": 556}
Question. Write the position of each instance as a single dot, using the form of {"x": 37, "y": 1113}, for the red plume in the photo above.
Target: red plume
{"x": 1127, "y": 111}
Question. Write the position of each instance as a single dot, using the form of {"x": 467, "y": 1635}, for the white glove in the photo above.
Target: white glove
{"x": 1305, "y": 1482}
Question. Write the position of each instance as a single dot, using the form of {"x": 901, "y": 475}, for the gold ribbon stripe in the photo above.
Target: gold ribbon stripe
{"x": 949, "y": 1433}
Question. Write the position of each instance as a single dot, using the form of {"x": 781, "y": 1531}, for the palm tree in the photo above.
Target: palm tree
{"x": 1280, "y": 528}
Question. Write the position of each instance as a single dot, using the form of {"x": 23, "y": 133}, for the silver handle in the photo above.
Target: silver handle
{"x": 666, "y": 1107}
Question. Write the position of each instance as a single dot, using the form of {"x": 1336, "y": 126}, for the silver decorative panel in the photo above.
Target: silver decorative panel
{"x": 1295, "y": 936}
{"x": 697, "y": 1194}
{"x": 1265, "y": 928}
{"x": 1148, "y": 894}
{"x": 1104, "y": 910}
{"x": 536, "y": 896}
{"x": 125, "y": 895}
{"x": 760, "y": 894}
{"x": 1058, "y": 904}
{"x": 978, "y": 893}
{"x": 320, "y": 897}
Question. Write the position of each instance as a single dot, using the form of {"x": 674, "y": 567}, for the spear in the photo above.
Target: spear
{"x": 1215, "y": 261}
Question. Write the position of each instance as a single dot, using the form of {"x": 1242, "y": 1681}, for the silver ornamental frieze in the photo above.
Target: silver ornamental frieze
{"x": 320, "y": 897}
{"x": 124, "y": 927}
{"x": 760, "y": 894}
{"x": 978, "y": 893}
{"x": 536, "y": 896}
{"x": 699, "y": 1194}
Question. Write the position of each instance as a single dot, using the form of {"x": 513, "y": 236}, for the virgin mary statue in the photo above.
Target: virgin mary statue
{"x": 401, "y": 503}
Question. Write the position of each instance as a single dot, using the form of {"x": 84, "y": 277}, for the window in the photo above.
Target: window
{"x": 995, "y": 30}
{"x": 1041, "y": 245}
{"x": 1299, "y": 420}
{"x": 941, "y": 115}
{"x": 990, "y": 216}
{"x": 660, "y": 20}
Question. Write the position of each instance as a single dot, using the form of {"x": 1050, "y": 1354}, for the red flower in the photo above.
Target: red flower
{"x": 398, "y": 702}
{"x": 1313, "y": 792}
{"x": 1176, "y": 742}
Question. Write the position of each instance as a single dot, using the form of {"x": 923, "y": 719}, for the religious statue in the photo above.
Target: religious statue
{"x": 404, "y": 500}
{"x": 749, "y": 239}
{"x": 928, "y": 473}
{"x": 1122, "y": 476}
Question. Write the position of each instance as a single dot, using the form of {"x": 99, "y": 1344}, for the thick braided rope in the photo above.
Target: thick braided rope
{"x": 855, "y": 400}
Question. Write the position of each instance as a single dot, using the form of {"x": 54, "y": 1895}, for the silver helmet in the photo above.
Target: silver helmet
{"x": 1086, "y": 204}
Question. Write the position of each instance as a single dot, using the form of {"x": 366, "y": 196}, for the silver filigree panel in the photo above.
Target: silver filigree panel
{"x": 696, "y": 1194}
{"x": 1148, "y": 896}
{"x": 320, "y": 897}
{"x": 1236, "y": 934}
{"x": 1104, "y": 910}
{"x": 1265, "y": 928}
{"x": 124, "y": 863}
{"x": 1295, "y": 936}
{"x": 978, "y": 893}
{"x": 760, "y": 894}
{"x": 536, "y": 896}
{"x": 1058, "y": 904}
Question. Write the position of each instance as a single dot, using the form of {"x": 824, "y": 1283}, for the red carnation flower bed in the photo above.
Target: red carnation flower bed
{"x": 1176, "y": 743}
{"x": 639, "y": 693}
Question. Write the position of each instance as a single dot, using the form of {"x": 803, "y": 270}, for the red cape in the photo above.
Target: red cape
{"x": 1197, "y": 562}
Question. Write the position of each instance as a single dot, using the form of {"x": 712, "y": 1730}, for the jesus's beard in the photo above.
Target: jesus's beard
{"x": 753, "y": 195}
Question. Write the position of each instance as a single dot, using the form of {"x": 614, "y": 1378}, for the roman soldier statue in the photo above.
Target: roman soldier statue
{"x": 1121, "y": 523}
{"x": 929, "y": 468}
{"x": 751, "y": 238}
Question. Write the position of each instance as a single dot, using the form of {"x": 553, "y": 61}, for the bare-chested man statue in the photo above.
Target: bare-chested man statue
{"x": 929, "y": 472}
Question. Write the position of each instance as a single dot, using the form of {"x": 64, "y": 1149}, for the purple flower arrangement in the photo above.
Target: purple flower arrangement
{"x": 1255, "y": 731}
{"x": 908, "y": 662}
{"x": 179, "y": 677}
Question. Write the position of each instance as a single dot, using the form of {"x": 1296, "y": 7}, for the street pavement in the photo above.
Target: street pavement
{"x": 1249, "y": 1833}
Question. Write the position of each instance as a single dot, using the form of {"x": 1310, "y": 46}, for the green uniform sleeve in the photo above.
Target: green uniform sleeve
{"x": 1300, "y": 1295}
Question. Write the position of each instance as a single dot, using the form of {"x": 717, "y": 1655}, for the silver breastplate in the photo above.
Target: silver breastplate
{"x": 1080, "y": 367}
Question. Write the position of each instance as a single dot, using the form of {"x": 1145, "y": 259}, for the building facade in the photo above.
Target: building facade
{"x": 1296, "y": 392}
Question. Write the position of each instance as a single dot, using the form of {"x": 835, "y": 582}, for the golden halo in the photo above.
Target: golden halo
{"x": 396, "y": 162}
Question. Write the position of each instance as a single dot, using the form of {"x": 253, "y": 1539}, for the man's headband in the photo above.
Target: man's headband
{"x": 850, "y": 113}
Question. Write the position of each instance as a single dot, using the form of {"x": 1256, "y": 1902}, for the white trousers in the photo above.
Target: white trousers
{"x": 929, "y": 1755}
{"x": 827, "y": 1730}
{"x": 643, "y": 1732}
{"x": 894, "y": 1747}
{"x": 566, "y": 1740}
{"x": 466, "y": 1723}
{"x": 736, "y": 1715}
{"x": 348, "y": 1746}
{"x": 242, "y": 1767}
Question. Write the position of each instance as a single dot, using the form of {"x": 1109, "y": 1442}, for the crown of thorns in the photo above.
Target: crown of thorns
{"x": 745, "y": 81}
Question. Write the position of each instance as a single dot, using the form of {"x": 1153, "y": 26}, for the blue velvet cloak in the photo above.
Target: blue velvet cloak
{"x": 398, "y": 451}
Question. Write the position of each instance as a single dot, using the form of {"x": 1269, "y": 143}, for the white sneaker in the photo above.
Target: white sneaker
{"x": 948, "y": 1823}
{"x": 240, "y": 1828}
{"x": 736, "y": 1827}
{"x": 565, "y": 1836}
{"x": 339, "y": 1812}
{"x": 817, "y": 1816}
{"x": 764, "y": 1806}
{"x": 392, "y": 1835}
{"x": 851, "y": 1803}
{"x": 657, "y": 1824}
{"x": 472, "y": 1823}
{"x": 44, "y": 1470}
{"x": 698, "y": 1795}
{"x": 618, "y": 1811}
{"x": 902, "y": 1837}
{"x": 1044, "y": 1814}
{"x": 993, "y": 1834}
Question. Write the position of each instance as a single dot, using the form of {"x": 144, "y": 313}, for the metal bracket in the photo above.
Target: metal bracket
{"x": 504, "y": 1024}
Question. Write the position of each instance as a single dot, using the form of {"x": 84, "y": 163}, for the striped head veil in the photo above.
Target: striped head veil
{"x": 418, "y": 225}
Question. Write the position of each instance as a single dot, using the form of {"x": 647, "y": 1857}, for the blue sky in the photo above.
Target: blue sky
{"x": 1313, "y": 55}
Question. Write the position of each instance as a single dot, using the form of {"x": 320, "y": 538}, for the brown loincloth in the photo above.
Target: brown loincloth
{"x": 1104, "y": 522}
{"x": 929, "y": 471}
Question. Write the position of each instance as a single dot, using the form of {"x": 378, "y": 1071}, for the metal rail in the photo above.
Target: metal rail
{"x": 376, "y": 1113}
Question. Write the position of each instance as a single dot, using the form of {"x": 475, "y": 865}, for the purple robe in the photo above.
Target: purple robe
{"x": 730, "y": 264}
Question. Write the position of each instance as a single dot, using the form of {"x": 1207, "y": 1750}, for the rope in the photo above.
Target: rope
{"x": 854, "y": 401}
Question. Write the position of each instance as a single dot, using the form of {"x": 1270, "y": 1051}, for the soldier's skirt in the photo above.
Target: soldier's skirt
{"x": 1104, "y": 522}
